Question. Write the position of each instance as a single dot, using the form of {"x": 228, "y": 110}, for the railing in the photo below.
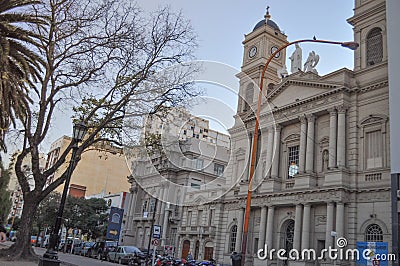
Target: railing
{"x": 289, "y": 184}
{"x": 195, "y": 230}
{"x": 373, "y": 177}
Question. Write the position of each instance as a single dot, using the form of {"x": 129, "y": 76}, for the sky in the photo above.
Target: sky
{"x": 221, "y": 26}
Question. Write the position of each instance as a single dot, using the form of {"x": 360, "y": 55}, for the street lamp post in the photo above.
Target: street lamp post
{"x": 51, "y": 256}
{"x": 350, "y": 45}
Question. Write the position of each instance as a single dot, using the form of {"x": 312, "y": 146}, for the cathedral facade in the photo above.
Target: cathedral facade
{"x": 323, "y": 166}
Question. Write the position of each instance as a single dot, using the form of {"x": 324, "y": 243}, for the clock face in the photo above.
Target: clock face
{"x": 252, "y": 51}
{"x": 273, "y": 49}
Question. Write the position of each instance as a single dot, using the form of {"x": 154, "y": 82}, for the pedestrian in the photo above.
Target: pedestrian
{"x": 3, "y": 232}
{"x": 236, "y": 259}
{"x": 190, "y": 257}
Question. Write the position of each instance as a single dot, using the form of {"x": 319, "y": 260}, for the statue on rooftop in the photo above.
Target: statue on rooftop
{"x": 311, "y": 63}
{"x": 296, "y": 59}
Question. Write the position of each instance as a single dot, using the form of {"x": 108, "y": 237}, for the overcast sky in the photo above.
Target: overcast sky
{"x": 221, "y": 25}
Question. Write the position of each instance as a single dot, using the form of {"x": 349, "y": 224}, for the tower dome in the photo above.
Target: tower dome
{"x": 267, "y": 21}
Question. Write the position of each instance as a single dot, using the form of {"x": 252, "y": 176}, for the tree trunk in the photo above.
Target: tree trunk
{"x": 22, "y": 249}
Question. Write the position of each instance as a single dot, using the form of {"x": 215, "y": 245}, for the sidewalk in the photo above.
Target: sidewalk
{"x": 4, "y": 262}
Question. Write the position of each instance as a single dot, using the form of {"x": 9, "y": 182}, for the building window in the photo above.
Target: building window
{"x": 199, "y": 164}
{"x": 194, "y": 185}
{"x": 293, "y": 161}
{"x": 373, "y": 149}
{"x": 199, "y": 217}
{"x": 255, "y": 246}
{"x": 374, "y": 233}
{"x": 219, "y": 169}
{"x": 248, "y": 98}
{"x": 374, "y": 47}
{"x": 289, "y": 234}
{"x": 152, "y": 205}
{"x": 144, "y": 206}
{"x": 211, "y": 217}
{"x": 189, "y": 218}
{"x": 232, "y": 238}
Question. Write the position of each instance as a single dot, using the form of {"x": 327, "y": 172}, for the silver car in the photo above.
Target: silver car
{"x": 123, "y": 254}
{"x": 85, "y": 248}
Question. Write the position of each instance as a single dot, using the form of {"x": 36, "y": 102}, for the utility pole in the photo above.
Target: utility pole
{"x": 152, "y": 227}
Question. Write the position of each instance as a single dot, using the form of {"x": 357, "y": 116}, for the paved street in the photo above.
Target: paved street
{"x": 66, "y": 259}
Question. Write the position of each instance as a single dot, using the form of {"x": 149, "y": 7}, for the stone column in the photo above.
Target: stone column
{"x": 270, "y": 227}
{"x": 270, "y": 149}
{"x": 303, "y": 143}
{"x": 305, "y": 238}
{"x": 340, "y": 219}
{"x": 297, "y": 227}
{"x": 277, "y": 145}
{"x": 310, "y": 144}
{"x": 165, "y": 225}
{"x": 332, "y": 137}
{"x": 164, "y": 195}
{"x": 132, "y": 205}
{"x": 261, "y": 234}
{"x": 238, "y": 244}
{"x": 329, "y": 225}
{"x": 341, "y": 137}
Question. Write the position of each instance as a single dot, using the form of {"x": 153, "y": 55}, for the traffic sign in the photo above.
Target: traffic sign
{"x": 157, "y": 231}
{"x": 155, "y": 242}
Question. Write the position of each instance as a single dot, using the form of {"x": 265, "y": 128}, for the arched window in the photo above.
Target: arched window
{"x": 374, "y": 46}
{"x": 374, "y": 233}
{"x": 232, "y": 238}
{"x": 289, "y": 234}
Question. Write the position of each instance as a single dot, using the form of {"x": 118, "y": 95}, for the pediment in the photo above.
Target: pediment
{"x": 199, "y": 200}
{"x": 291, "y": 91}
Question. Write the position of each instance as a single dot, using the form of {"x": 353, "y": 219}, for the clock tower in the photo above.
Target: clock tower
{"x": 265, "y": 39}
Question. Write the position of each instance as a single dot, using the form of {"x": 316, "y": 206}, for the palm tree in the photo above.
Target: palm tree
{"x": 20, "y": 66}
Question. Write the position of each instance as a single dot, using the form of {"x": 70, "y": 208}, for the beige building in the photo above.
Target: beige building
{"x": 101, "y": 170}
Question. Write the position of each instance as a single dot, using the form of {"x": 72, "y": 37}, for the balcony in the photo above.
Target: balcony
{"x": 140, "y": 217}
{"x": 208, "y": 230}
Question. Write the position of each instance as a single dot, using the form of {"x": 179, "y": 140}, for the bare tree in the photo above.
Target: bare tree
{"x": 107, "y": 60}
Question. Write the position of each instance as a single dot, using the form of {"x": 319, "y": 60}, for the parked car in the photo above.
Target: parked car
{"x": 85, "y": 247}
{"x": 77, "y": 249}
{"x": 123, "y": 254}
{"x": 101, "y": 248}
